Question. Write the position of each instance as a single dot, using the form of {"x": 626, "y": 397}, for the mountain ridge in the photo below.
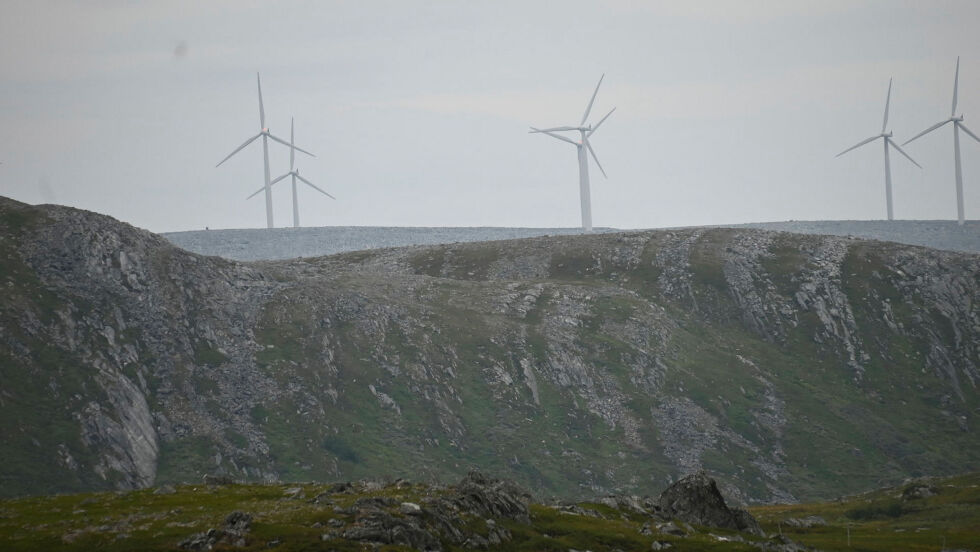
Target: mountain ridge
{"x": 790, "y": 367}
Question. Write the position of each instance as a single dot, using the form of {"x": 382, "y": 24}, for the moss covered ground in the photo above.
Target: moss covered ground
{"x": 296, "y": 517}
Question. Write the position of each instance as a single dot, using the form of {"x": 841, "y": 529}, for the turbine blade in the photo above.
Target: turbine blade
{"x": 292, "y": 150}
{"x": 258, "y": 79}
{"x": 285, "y": 143}
{"x": 859, "y": 144}
{"x": 553, "y": 135}
{"x": 589, "y": 108}
{"x": 900, "y": 150}
{"x": 307, "y": 182}
{"x": 592, "y": 151}
{"x": 238, "y": 149}
{"x": 596, "y": 127}
{"x": 926, "y": 131}
{"x": 888, "y": 100}
{"x": 956, "y": 85}
{"x": 280, "y": 178}
{"x": 255, "y": 193}
{"x": 555, "y": 129}
{"x": 966, "y": 130}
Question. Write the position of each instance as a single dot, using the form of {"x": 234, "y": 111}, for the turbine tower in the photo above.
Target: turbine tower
{"x": 957, "y": 126}
{"x": 295, "y": 174}
{"x": 583, "y": 160}
{"x": 887, "y": 140}
{"x": 266, "y": 136}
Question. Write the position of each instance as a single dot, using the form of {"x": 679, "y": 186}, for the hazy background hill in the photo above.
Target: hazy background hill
{"x": 291, "y": 243}
{"x": 790, "y": 366}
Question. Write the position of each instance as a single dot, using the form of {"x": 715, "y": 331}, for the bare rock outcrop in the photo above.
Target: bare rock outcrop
{"x": 696, "y": 499}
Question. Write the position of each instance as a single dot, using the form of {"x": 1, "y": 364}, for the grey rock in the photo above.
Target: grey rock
{"x": 670, "y": 528}
{"x": 384, "y": 528}
{"x": 696, "y": 499}
{"x": 217, "y": 480}
{"x": 374, "y": 503}
{"x": 917, "y": 491}
{"x": 806, "y": 522}
{"x": 410, "y": 509}
{"x": 233, "y": 533}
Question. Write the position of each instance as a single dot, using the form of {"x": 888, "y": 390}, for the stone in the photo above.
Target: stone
{"x": 917, "y": 491}
{"x": 410, "y": 509}
{"x": 671, "y": 528}
{"x": 696, "y": 499}
{"x": 806, "y": 522}
{"x": 233, "y": 533}
{"x": 217, "y": 480}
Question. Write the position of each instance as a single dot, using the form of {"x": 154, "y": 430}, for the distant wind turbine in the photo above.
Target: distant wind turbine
{"x": 957, "y": 126}
{"x": 295, "y": 174}
{"x": 265, "y": 135}
{"x": 583, "y": 160}
{"x": 887, "y": 138}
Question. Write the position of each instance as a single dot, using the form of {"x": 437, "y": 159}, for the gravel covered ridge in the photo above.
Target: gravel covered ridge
{"x": 292, "y": 243}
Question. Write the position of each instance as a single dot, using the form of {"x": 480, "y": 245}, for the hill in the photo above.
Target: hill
{"x": 791, "y": 367}
{"x": 292, "y": 243}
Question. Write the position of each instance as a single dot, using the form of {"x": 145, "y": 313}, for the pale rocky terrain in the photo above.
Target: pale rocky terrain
{"x": 292, "y": 243}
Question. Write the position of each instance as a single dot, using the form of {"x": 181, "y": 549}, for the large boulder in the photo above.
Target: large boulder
{"x": 484, "y": 496}
{"x": 233, "y": 533}
{"x": 695, "y": 499}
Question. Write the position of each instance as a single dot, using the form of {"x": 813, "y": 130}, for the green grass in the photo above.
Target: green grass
{"x": 143, "y": 520}
{"x": 880, "y": 521}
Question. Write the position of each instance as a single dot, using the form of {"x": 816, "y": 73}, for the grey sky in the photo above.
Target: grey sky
{"x": 418, "y": 111}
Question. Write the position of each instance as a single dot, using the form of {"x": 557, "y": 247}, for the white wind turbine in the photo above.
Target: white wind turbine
{"x": 957, "y": 126}
{"x": 265, "y": 135}
{"x": 295, "y": 174}
{"x": 583, "y": 160}
{"x": 887, "y": 139}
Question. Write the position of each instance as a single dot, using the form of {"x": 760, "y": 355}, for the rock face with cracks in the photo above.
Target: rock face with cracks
{"x": 791, "y": 367}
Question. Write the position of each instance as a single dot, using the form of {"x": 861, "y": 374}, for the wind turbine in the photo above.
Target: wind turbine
{"x": 266, "y": 136}
{"x": 887, "y": 138}
{"x": 295, "y": 174}
{"x": 957, "y": 126}
{"x": 583, "y": 160}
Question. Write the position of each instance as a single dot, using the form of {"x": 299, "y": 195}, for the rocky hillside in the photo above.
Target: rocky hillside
{"x": 790, "y": 367}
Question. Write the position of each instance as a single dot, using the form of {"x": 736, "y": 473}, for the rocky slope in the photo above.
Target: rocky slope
{"x": 790, "y": 367}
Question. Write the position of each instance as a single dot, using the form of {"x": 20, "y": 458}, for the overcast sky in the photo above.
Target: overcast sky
{"x": 418, "y": 111}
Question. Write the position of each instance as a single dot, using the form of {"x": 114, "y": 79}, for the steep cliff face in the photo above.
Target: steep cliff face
{"x": 789, "y": 366}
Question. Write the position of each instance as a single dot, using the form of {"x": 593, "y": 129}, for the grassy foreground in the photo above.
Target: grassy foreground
{"x": 883, "y": 520}
{"x": 312, "y": 516}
